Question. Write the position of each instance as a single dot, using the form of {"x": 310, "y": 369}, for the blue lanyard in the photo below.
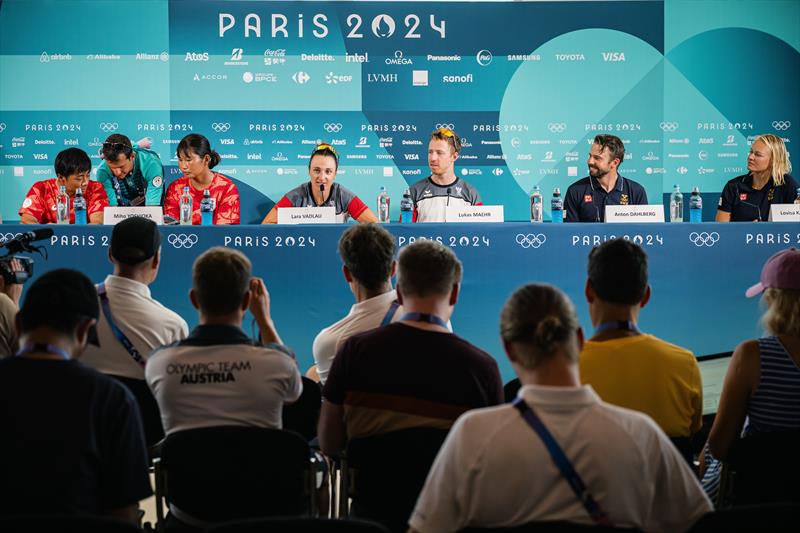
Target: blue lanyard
{"x": 387, "y": 318}
{"x": 625, "y": 325}
{"x": 121, "y": 337}
{"x": 45, "y": 348}
{"x": 424, "y": 317}
{"x": 564, "y": 465}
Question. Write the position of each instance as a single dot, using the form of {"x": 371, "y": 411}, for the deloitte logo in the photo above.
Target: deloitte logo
{"x": 484, "y": 58}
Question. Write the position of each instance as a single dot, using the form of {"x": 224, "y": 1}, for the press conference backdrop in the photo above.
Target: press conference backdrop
{"x": 685, "y": 83}
{"x": 698, "y": 300}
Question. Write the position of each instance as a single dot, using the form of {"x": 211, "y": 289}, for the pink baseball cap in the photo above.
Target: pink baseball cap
{"x": 781, "y": 271}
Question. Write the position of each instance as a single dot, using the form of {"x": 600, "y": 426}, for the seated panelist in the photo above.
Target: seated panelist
{"x": 322, "y": 191}
{"x": 196, "y": 159}
{"x": 587, "y": 198}
{"x": 73, "y": 168}
{"x": 749, "y": 197}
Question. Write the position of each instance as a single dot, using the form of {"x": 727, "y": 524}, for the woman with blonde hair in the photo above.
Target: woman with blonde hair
{"x": 762, "y": 384}
{"x": 749, "y": 197}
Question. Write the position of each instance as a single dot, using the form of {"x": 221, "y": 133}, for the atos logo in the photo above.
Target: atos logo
{"x": 613, "y": 56}
{"x": 412, "y": 157}
{"x": 194, "y": 56}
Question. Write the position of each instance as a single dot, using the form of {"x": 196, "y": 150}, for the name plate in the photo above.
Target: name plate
{"x": 306, "y": 215}
{"x": 635, "y": 213}
{"x": 474, "y": 213}
{"x": 116, "y": 214}
{"x": 784, "y": 212}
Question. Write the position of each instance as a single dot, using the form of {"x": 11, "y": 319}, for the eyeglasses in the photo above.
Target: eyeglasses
{"x": 322, "y": 147}
{"x": 116, "y": 146}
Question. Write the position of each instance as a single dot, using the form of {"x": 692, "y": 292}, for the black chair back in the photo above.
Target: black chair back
{"x": 302, "y": 416}
{"x": 775, "y": 518}
{"x": 298, "y": 525}
{"x": 765, "y": 468}
{"x": 224, "y": 473}
{"x": 42, "y": 523}
{"x": 387, "y": 473}
{"x": 548, "y": 527}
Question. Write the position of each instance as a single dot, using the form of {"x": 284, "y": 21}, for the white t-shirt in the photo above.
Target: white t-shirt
{"x": 146, "y": 322}
{"x": 494, "y": 470}
{"x": 363, "y": 316}
{"x": 218, "y": 377}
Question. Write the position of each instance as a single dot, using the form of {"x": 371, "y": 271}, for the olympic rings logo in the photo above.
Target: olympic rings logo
{"x": 448, "y": 126}
{"x": 780, "y": 125}
{"x": 5, "y": 237}
{"x": 530, "y": 240}
{"x": 182, "y": 240}
{"x": 2, "y": 127}
{"x": 220, "y": 127}
{"x": 332, "y": 127}
{"x": 703, "y": 238}
{"x": 108, "y": 127}
{"x": 668, "y": 126}
{"x": 556, "y": 127}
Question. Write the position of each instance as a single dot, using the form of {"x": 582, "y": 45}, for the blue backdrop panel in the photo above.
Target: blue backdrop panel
{"x": 698, "y": 272}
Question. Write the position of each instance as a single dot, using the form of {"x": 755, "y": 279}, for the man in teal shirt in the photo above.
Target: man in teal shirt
{"x": 131, "y": 175}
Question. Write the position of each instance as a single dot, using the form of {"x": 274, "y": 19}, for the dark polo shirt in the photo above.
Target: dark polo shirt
{"x": 586, "y": 200}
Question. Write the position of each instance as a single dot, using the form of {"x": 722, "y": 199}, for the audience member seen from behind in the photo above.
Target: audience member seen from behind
{"x": 749, "y": 197}
{"x": 495, "y": 471}
{"x": 322, "y": 191}
{"x": 196, "y": 159}
{"x": 9, "y": 305}
{"x": 413, "y": 372}
{"x": 368, "y": 252}
{"x": 762, "y": 384}
{"x": 625, "y": 366}
{"x": 72, "y": 439}
{"x": 218, "y": 376}
{"x": 141, "y": 324}
{"x": 131, "y": 174}
{"x": 73, "y": 170}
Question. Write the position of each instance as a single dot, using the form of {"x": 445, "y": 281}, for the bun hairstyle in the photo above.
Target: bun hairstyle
{"x": 195, "y": 143}
{"x": 326, "y": 150}
{"x": 539, "y": 318}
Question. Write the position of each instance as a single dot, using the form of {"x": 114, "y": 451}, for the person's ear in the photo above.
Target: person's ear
{"x": 588, "y": 291}
{"x": 348, "y": 276}
{"x": 581, "y": 338}
{"x": 248, "y": 295}
{"x": 61, "y": 180}
{"x": 193, "y": 299}
{"x": 454, "y": 293}
{"x": 646, "y": 297}
{"x": 156, "y": 259}
{"x": 393, "y": 270}
{"x": 399, "y": 294}
{"x": 82, "y": 333}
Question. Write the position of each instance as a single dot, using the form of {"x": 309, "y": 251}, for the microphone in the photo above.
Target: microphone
{"x": 322, "y": 192}
{"x": 448, "y": 196}
{"x": 22, "y": 242}
{"x": 756, "y": 207}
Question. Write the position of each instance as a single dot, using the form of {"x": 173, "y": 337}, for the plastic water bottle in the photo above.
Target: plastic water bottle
{"x": 207, "y": 209}
{"x": 676, "y": 205}
{"x": 383, "y": 205}
{"x": 557, "y": 207}
{"x": 695, "y": 205}
{"x": 186, "y": 208}
{"x": 62, "y": 205}
{"x": 797, "y": 200}
{"x": 536, "y": 204}
{"x": 406, "y": 208}
{"x": 79, "y": 206}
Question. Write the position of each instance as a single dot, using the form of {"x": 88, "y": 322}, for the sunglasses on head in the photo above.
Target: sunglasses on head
{"x": 321, "y": 147}
{"x": 116, "y": 146}
{"x": 447, "y": 132}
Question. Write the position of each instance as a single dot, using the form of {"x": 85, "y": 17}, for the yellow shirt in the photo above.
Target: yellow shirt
{"x": 649, "y": 375}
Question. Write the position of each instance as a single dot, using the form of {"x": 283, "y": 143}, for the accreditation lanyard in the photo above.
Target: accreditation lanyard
{"x": 625, "y": 325}
{"x": 387, "y": 318}
{"x": 599, "y": 516}
{"x": 424, "y": 317}
{"x": 43, "y": 347}
{"x": 121, "y": 337}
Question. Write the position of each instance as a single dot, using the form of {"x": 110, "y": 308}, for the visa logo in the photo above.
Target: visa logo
{"x": 40, "y": 156}
{"x": 412, "y": 157}
{"x": 226, "y": 141}
{"x": 613, "y": 56}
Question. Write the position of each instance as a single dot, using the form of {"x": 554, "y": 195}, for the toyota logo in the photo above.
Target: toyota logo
{"x": 332, "y": 127}
{"x": 2, "y": 127}
{"x": 108, "y": 127}
{"x": 5, "y": 237}
{"x": 182, "y": 240}
{"x": 668, "y": 126}
{"x": 703, "y": 238}
{"x": 556, "y": 127}
{"x": 448, "y": 126}
{"x": 781, "y": 125}
{"x": 530, "y": 240}
{"x": 220, "y": 127}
